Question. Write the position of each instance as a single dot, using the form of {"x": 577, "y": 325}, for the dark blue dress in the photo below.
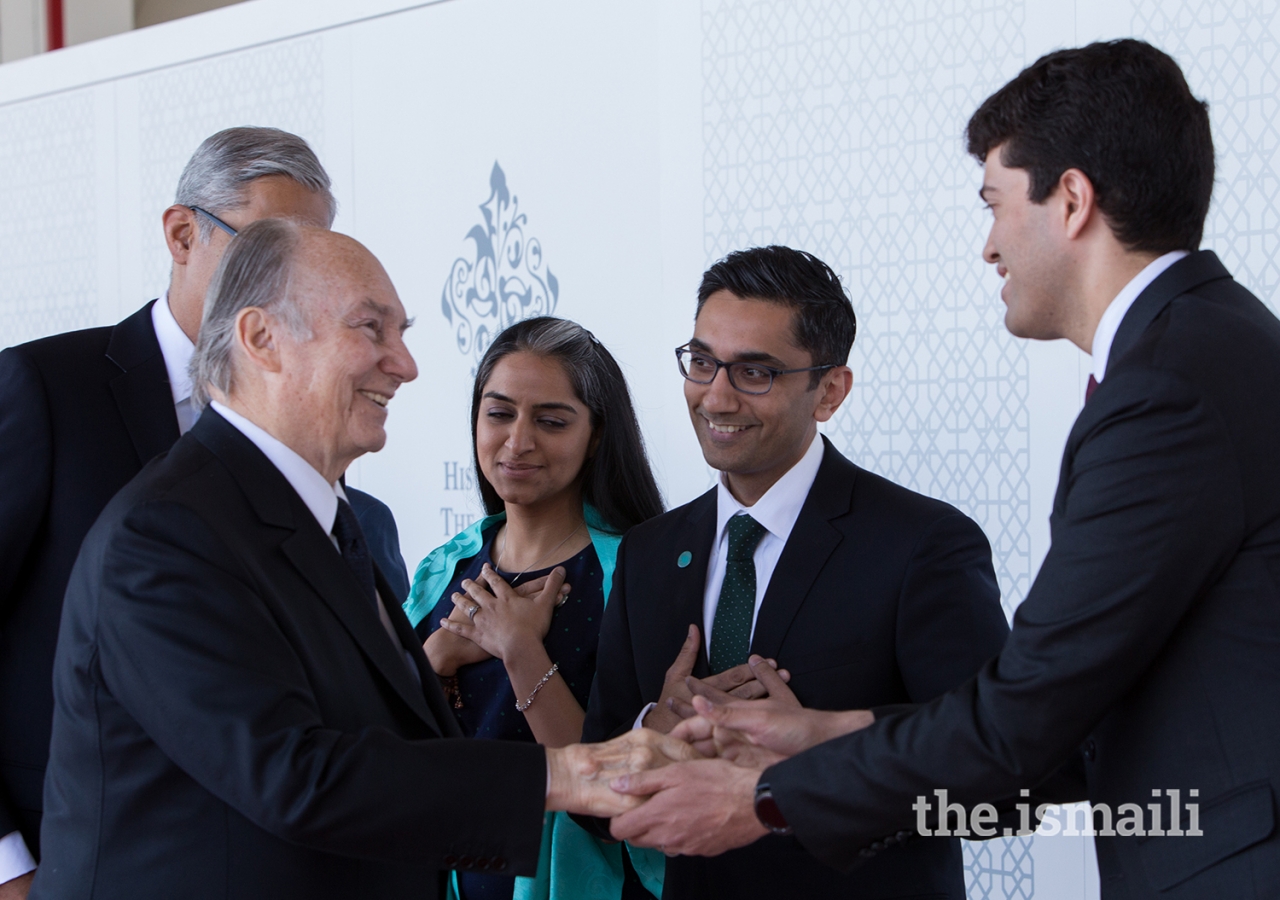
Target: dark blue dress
{"x": 488, "y": 708}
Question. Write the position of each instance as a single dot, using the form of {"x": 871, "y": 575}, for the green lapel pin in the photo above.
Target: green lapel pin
{"x": 684, "y": 559}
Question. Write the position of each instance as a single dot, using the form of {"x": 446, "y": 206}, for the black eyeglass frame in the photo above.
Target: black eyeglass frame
{"x": 729, "y": 367}
{"x": 214, "y": 219}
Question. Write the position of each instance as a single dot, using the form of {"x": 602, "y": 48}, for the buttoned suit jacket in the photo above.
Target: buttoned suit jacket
{"x": 232, "y": 719}
{"x": 1150, "y": 637}
{"x": 80, "y": 414}
{"x": 880, "y": 596}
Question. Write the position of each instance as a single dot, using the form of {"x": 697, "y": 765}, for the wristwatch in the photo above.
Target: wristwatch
{"x": 767, "y": 810}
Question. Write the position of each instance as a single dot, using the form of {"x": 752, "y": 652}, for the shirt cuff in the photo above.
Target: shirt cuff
{"x": 648, "y": 708}
{"x": 15, "y": 859}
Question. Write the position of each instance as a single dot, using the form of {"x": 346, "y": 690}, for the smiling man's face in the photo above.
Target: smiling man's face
{"x": 753, "y": 438}
{"x": 341, "y": 380}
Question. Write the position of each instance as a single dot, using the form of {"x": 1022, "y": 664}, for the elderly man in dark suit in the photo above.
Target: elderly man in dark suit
{"x": 242, "y": 709}
{"x": 81, "y": 413}
{"x": 1150, "y": 639}
{"x": 864, "y": 592}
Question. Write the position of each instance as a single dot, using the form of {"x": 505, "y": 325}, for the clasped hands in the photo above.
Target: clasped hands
{"x": 692, "y": 791}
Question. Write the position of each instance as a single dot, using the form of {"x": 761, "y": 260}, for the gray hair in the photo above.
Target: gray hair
{"x": 255, "y": 272}
{"x": 222, "y": 167}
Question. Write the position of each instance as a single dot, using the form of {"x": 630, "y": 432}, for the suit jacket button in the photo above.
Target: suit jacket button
{"x": 482, "y": 862}
{"x": 450, "y": 861}
{"x": 902, "y": 836}
{"x": 1090, "y": 750}
{"x": 465, "y": 862}
{"x": 499, "y": 864}
{"x": 866, "y": 852}
{"x": 877, "y": 846}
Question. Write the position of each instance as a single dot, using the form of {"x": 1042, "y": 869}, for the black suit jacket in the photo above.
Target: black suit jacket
{"x": 881, "y": 596}
{"x": 1151, "y": 634}
{"x": 80, "y": 413}
{"x": 232, "y": 719}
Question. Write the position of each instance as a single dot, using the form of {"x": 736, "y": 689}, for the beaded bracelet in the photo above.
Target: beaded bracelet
{"x": 521, "y": 707}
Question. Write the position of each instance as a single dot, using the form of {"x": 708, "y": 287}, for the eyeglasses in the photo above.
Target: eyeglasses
{"x": 214, "y": 219}
{"x": 748, "y": 377}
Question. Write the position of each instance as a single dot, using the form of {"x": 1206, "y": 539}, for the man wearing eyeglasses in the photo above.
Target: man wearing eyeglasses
{"x": 866, "y": 593}
{"x": 81, "y": 413}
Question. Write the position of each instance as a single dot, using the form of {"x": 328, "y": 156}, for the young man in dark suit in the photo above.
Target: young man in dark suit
{"x": 81, "y": 413}
{"x": 865, "y": 592}
{"x": 242, "y": 709}
{"x": 1150, "y": 638}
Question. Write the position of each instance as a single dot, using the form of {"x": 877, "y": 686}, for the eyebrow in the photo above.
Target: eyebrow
{"x": 385, "y": 311}
{"x": 494, "y": 395}
{"x": 746, "y": 356}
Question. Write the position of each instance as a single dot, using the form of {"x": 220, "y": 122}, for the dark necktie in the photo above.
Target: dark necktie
{"x": 731, "y": 627}
{"x": 354, "y": 550}
{"x": 1088, "y": 391}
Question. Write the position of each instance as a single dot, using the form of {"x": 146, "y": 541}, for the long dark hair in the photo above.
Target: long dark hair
{"x": 616, "y": 480}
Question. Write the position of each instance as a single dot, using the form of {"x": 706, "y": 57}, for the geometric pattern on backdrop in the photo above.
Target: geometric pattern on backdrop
{"x": 501, "y": 279}
{"x": 280, "y": 85}
{"x": 837, "y": 128}
{"x": 48, "y": 217}
{"x": 1230, "y": 52}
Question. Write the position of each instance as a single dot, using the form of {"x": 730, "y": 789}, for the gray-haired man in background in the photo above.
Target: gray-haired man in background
{"x": 82, "y": 412}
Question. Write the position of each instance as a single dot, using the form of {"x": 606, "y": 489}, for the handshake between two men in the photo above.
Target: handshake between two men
{"x": 692, "y": 790}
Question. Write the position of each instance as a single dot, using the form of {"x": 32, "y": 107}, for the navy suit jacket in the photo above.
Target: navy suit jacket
{"x": 881, "y": 596}
{"x": 1151, "y": 636}
{"x": 232, "y": 720}
{"x": 80, "y": 414}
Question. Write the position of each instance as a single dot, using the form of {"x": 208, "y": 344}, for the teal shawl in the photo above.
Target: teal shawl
{"x": 572, "y": 865}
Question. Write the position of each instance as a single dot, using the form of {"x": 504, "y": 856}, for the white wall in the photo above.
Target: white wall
{"x": 640, "y": 141}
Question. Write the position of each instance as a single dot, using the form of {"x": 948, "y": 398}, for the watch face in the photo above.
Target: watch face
{"x": 768, "y": 813}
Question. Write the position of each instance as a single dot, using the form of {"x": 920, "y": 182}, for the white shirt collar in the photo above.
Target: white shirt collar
{"x": 175, "y": 347}
{"x": 780, "y": 506}
{"x": 320, "y": 496}
{"x": 1109, "y": 324}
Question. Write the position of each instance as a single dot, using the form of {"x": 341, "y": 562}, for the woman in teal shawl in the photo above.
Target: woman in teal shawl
{"x": 509, "y": 610}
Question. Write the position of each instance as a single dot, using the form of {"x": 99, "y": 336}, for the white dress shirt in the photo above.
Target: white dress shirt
{"x": 318, "y": 495}
{"x": 1109, "y": 324}
{"x": 177, "y": 349}
{"x": 777, "y": 511}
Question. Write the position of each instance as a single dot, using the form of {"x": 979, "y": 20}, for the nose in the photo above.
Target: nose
{"x": 520, "y": 435}
{"x": 989, "y": 252}
{"x": 720, "y": 396}
{"x": 399, "y": 361}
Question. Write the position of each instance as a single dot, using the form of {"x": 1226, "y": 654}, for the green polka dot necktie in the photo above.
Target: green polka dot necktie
{"x": 731, "y": 627}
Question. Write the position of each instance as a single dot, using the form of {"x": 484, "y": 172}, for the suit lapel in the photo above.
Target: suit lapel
{"x": 318, "y": 561}
{"x": 807, "y": 550}
{"x": 311, "y": 552}
{"x": 141, "y": 390}
{"x": 446, "y": 722}
{"x": 686, "y": 585}
{"x": 1184, "y": 275}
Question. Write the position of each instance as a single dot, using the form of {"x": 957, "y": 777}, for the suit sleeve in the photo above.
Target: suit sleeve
{"x": 26, "y": 452}
{"x": 216, "y": 684}
{"x": 1150, "y": 517}
{"x": 615, "y": 693}
{"x": 949, "y": 617}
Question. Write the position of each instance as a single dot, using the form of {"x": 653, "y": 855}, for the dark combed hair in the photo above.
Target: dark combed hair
{"x": 616, "y": 480}
{"x": 1121, "y": 112}
{"x": 823, "y": 321}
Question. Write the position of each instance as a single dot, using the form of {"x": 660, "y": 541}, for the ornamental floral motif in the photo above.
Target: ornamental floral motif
{"x": 503, "y": 278}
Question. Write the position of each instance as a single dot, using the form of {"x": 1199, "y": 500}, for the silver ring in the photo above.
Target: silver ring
{"x": 471, "y": 612}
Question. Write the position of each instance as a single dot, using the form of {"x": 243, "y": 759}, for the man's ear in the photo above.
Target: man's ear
{"x": 181, "y": 231}
{"x": 834, "y": 387}
{"x": 257, "y": 336}
{"x": 1078, "y": 200}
